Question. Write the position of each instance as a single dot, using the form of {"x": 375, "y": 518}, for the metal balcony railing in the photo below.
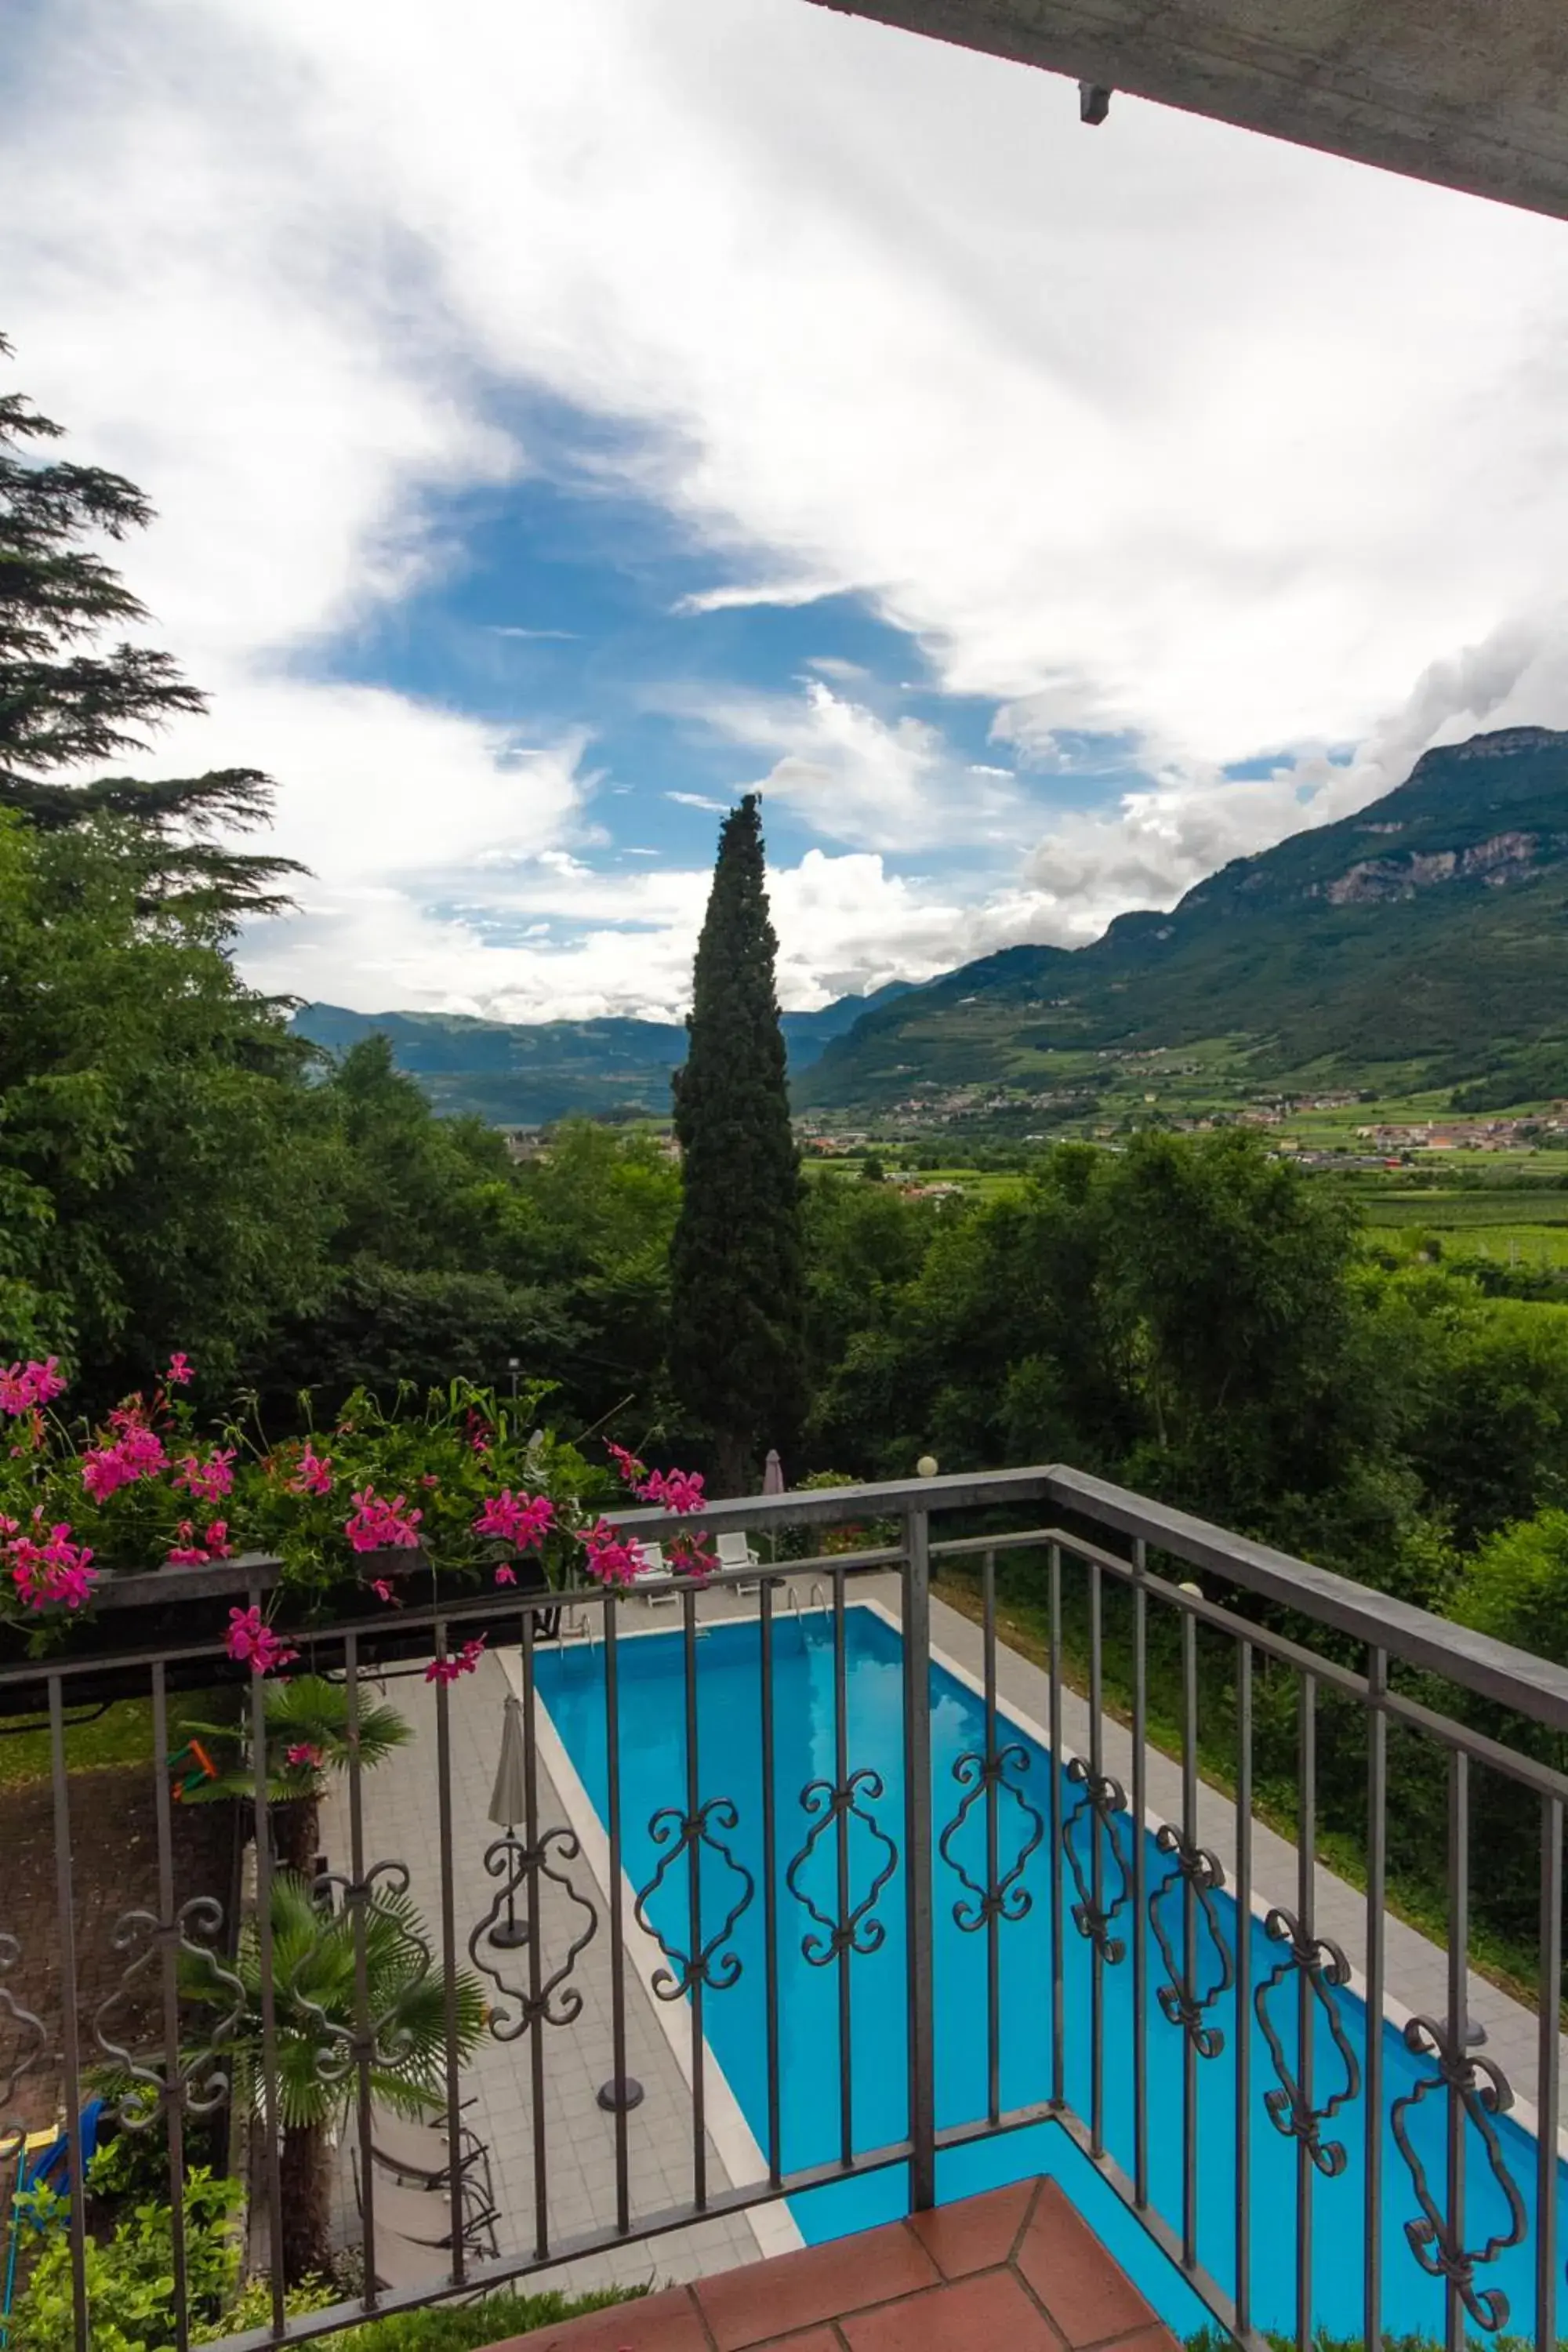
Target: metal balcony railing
{"x": 1078, "y": 1905}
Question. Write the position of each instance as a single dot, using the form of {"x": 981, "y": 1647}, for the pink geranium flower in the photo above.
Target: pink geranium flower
{"x": 609, "y": 1558}
{"x": 505, "y": 1575}
{"x": 23, "y": 1386}
{"x": 521, "y": 1520}
{"x": 632, "y": 1470}
{"x": 208, "y": 1481}
{"x": 249, "y": 1639}
{"x": 305, "y": 1752}
{"x": 693, "y": 1555}
{"x": 679, "y": 1490}
{"x": 380, "y": 1526}
{"x": 313, "y": 1474}
{"x": 179, "y": 1374}
{"x": 137, "y": 1453}
{"x": 51, "y": 1568}
{"x": 215, "y": 1545}
{"x": 384, "y": 1591}
{"x": 446, "y": 1670}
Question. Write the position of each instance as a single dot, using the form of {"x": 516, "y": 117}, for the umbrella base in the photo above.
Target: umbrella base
{"x": 507, "y": 1934}
{"x": 618, "y": 2096}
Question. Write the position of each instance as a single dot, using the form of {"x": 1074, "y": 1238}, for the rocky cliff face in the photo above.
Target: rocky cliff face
{"x": 1377, "y": 878}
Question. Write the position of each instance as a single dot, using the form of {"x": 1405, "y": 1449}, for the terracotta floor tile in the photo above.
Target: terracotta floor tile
{"x": 989, "y": 2313}
{"x": 655, "y": 2322}
{"x": 977, "y": 2235}
{"x": 820, "y": 2283}
{"x": 815, "y": 2339}
{"x": 1075, "y": 2278}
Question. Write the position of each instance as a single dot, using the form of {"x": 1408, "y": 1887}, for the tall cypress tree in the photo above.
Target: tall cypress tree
{"x": 737, "y": 1262}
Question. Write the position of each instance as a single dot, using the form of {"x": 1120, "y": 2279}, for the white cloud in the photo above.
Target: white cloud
{"x": 855, "y": 777}
{"x": 1167, "y": 431}
{"x": 785, "y": 592}
{"x": 698, "y": 801}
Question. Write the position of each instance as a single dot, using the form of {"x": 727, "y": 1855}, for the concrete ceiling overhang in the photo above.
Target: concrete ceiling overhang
{"x": 1473, "y": 94}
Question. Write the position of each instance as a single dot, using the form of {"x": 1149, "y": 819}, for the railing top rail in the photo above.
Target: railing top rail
{"x": 1515, "y": 1678}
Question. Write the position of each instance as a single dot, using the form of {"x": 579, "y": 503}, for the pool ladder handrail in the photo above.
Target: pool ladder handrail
{"x": 818, "y": 1598}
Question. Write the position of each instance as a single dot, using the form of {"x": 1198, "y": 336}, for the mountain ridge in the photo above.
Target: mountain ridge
{"x": 526, "y": 1074}
{"x": 1429, "y": 928}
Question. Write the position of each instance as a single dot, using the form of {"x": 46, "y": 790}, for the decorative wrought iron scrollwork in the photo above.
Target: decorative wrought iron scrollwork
{"x": 521, "y": 1868}
{"x": 1009, "y": 1897}
{"x": 716, "y": 1965}
{"x": 1201, "y": 1873}
{"x": 192, "y": 2080}
{"x": 1098, "y": 1800}
{"x": 830, "y": 1803}
{"x": 1436, "y": 2241}
{"x": 379, "y": 2042}
{"x": 1324, "y": 1967}
{"x": 32, "y": 2041}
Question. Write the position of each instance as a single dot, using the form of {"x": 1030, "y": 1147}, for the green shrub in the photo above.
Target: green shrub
{"x": 131, "y": 2279}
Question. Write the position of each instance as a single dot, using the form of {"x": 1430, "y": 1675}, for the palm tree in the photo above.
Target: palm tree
{"x": 316, "y": 2021}
{"x": 307, "y": 1737}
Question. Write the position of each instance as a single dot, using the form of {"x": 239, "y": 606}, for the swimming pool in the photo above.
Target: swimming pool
{"x": 654, "y": 1767}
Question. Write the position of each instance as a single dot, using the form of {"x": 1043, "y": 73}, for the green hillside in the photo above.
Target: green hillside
{"x": 1423, "y": 941}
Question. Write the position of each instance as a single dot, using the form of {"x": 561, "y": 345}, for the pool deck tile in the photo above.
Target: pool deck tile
{"x": 1032, "y": 2277}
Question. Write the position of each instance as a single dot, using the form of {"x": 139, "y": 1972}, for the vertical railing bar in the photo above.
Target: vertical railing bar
{"x": 535, "y": 1932}
{"x": 1059, "y": 1949}
{"x": 71, "y": 2049}
{"x": 1243, "y": 1985}
{"x": 1376, "y": 1890}
{"x": 1306, "y": 1904}
{"x": 1140, "y": 1878}
{"x": 1458, "y": 2016}
{"x": 917, "y": 1860}
{"x": 992, "y": 1796}
{"x": 269, "y": 1994}
{"x": 617, "y": 1922}
{"x": 1096, "y": 1866}
{"x": 173, "y": 2086}
{"x": 770, "y": 1886}
{"x": 449, "y": 1950}
{"x": 694, "y": 1906}
{"x": 841, "y": 1857}
{"x": 1189, "y": 1935}
{"x": 1548, "y": 2094}
{"x": 358, "y": 1897}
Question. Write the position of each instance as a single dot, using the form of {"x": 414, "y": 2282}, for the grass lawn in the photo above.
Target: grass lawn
{"x": 122, "y": 1734}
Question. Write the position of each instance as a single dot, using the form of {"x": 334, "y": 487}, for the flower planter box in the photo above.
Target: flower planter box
{"x": 167, "y": 1612}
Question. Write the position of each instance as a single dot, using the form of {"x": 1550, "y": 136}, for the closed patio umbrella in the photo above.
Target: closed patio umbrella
{"x": 773, "y": 1483}
{"x": 508, "y": 1805}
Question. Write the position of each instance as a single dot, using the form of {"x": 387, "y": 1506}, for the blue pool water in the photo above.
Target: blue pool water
{"x": 653, "y": 1749}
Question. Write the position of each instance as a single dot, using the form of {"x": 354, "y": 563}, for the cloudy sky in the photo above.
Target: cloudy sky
{"x": 564, "y": 416}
